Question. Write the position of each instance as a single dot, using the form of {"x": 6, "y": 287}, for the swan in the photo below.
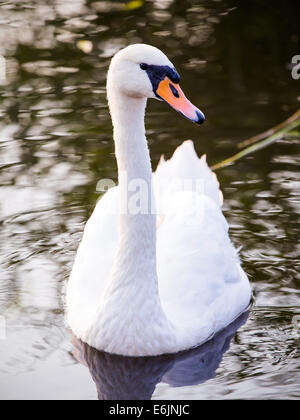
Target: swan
{"x": 155, "y": 272}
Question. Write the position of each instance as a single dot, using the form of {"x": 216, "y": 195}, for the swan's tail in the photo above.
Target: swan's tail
{"x": 185, "y": 171}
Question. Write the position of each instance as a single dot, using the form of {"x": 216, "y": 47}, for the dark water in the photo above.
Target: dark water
{"x": 55, "y": 144}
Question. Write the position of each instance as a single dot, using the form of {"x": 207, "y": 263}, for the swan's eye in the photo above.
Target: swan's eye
{"x": 143, "y": 66}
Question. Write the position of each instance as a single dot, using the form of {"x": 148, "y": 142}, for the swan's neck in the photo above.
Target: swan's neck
{"x": 136, "y": 256}
{"x": 131, "y": 298}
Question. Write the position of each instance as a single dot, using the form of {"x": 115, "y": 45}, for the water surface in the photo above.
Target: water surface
{"x": 56, "y": 143}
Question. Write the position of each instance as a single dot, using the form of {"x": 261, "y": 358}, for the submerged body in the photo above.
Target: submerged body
{"x": 166, "y": 278}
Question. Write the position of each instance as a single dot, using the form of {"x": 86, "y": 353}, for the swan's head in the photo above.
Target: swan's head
{"x": 143, "y": 71}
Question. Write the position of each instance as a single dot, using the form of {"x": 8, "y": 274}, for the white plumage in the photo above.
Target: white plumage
{"x": 148, "y": 284}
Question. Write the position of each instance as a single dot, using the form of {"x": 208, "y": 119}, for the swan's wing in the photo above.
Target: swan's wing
{"x": 201, "y": 281}
{"x": 184, "y": 172}
{"x": 93, "y": 262}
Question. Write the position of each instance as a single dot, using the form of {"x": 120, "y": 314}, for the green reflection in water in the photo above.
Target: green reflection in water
{"x": 56, "y": 143}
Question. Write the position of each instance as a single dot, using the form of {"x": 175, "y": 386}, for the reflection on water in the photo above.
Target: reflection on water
{"x": 56, "y": 143}
{"x": 135, "y": 378}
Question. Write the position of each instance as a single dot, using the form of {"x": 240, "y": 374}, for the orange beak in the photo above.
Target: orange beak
{"x": 173, "y": 95}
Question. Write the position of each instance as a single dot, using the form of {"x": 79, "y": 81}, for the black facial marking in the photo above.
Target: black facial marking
{"x": 174, "y": 90}
{"x": 143, "y": 66}
{"x": 157, "y": 73}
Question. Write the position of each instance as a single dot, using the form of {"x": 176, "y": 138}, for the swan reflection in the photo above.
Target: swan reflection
{"x": 135, "y": 378}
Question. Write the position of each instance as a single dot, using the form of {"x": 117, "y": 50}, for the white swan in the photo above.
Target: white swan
{"x": 144, "y": 284}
